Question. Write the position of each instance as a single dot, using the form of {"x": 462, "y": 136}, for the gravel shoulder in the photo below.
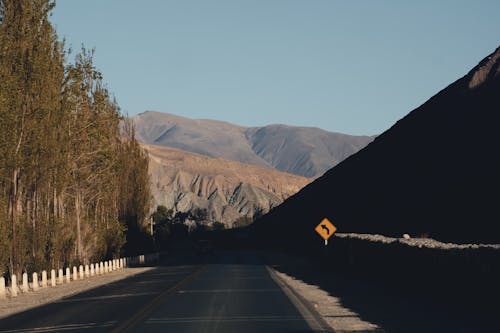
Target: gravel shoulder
{"x": 416, "y": 242}
{"x": 29, "y": 300}
{"x": 340, "y": 318}
{"x": 330, "y": 308}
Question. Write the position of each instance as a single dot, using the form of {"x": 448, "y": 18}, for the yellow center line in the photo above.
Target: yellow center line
{"x": 146, "y": 310}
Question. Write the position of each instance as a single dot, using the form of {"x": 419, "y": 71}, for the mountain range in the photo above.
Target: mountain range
{"x": 304, "y": 151}
{"x": 435, "y": 173}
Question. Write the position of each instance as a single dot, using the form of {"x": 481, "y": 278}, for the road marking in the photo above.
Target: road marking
{"x": 156, "y": 281}
{"x": 143, "y": 313}
{"x": 67, "y": 327}
{"x": 195, "y": 291}
{"x": 167, "y": 274}
{"x": 100, "y": 298}
{"x": 229, "y": 319}
{"x": 238, "y": 278}
{"x": 313, "y": 319}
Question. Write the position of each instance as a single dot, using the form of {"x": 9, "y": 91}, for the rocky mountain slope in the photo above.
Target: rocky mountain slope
{"x": 435, "y": 173}
{"x": 182, "y": 180}
{"x": 303, "y": 151}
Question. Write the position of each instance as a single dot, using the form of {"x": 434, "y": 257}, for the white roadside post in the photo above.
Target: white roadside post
{"x": 44, "y": 279}
{"x": 60, "y": 276}
{"x": 25, "y": 283}
{"x": 68, "y": 275}
{"x": 105, "y": 267}
{"x": 3, "y": 294}
{"x": 53, "y": 278}
{"x": 75, "y": 273}
{"x": 87, "y": 271}
{"x": 101, "y": 268}
{"x": 80, "y": 269}
{"x": 92, "y": 270}
{"x": 35, "y": 285}
{"x": 13, "y": 286}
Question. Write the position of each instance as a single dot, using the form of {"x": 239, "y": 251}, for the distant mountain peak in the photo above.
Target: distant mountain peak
{"x": 304, "y": 151}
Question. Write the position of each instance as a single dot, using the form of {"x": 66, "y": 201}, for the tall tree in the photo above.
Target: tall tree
{"x": 71, "y": 182}
{"x": 30, "y": 63}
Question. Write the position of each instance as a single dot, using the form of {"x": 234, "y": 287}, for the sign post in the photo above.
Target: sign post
{"x": 325, "y": 229}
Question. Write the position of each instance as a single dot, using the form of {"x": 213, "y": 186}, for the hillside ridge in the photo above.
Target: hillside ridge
{"x": 229, "y": 190}
{"x": 304, "y": 151}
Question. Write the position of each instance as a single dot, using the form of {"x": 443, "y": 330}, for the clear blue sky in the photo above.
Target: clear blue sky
{"x": 346, "y": 66}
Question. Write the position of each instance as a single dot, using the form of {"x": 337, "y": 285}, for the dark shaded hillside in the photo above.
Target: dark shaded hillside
{"x": 436, "y": 173}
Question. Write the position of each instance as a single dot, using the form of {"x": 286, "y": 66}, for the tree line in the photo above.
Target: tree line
{"x": 74, "y": 183}
{"x": 169, "y": 225}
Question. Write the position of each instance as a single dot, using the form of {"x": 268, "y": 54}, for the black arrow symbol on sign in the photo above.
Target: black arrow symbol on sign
{"x": 324, "y": 227}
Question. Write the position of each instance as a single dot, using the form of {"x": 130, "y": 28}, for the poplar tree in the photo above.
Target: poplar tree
{"x": 71, "y": 181}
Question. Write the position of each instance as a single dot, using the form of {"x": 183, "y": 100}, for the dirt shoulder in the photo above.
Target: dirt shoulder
{"x": 330, "y": 308}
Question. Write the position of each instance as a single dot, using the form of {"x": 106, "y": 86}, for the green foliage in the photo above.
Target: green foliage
{"x": 74, "y": 182}
{"x": 242, "y": 222}
{"x": 199, "y": 215}
{"x": 216, "y": 226}
{"x": 162, "y": 215}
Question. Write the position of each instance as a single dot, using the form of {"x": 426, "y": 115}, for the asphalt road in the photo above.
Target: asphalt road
{"x": 224, "y": 292}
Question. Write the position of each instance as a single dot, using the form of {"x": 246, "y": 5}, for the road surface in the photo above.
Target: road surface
{"x": 225, "y": 292}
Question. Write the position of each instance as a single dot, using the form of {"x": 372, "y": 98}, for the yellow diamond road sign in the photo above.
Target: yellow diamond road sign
{"x": 325, "y": 229}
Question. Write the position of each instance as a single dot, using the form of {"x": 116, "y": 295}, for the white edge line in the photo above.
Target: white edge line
{"x": 308, "y": 315}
